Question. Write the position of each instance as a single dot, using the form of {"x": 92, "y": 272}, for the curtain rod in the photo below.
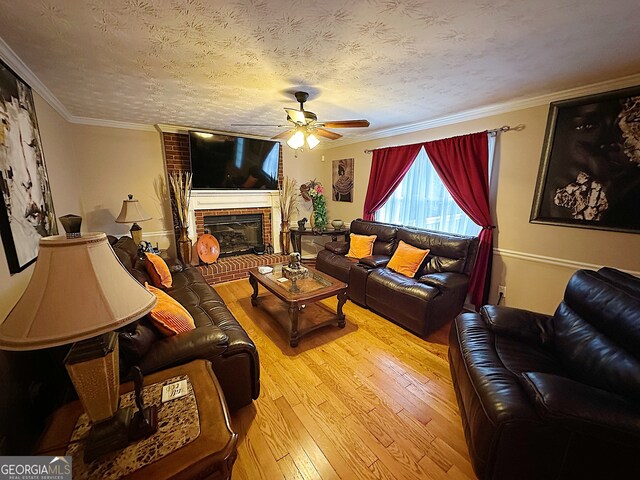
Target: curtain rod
{"x": 493, "y": 133}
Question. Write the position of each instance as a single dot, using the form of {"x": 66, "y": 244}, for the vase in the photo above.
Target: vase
{"x": 337, "y": 224}
{"x": 285, "y": 238}
{"x": 184, "y": 246}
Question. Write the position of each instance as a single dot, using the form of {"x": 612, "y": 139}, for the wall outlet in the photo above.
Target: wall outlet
{"x": 502, "y": 289}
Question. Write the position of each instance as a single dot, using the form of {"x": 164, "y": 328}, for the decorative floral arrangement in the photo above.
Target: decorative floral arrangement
{"x": 181, "y": 185}
{"x": 314, "y": 191}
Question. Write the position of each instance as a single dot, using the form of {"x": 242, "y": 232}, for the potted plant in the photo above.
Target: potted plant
{"x": 314, "y": 191}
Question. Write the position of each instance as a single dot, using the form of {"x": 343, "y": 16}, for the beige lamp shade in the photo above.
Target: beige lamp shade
{"x": 79, "y": 289}
{"x": 132, "y": 212}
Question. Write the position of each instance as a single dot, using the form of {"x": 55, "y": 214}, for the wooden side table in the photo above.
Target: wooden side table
{"x": 210, "y": 455}
{"x": 297, "y": 234}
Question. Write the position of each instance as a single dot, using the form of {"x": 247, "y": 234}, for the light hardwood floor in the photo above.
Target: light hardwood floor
{"x": 367, "y": 401}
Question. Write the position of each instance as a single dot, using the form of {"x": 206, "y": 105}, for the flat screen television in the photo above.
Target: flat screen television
{"x": 230, "y": 162}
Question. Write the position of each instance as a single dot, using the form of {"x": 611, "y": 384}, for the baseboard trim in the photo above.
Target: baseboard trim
{"x": 560, "y": 262}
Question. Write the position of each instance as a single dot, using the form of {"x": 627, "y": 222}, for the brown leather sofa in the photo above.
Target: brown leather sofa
{"x": 557, "y": 396}
{"x": 218, "y": 336}
{"x": 433, "y": 297}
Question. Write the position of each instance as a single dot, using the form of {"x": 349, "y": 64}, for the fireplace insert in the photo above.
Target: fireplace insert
{"x": 236, "y": 234}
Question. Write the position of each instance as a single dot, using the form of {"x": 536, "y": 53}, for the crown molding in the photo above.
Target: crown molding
{"x": 98, "y": 122}
{"x": 166, "y": 128}
{"x": 18, "y": 66}
{"x": 495, "y": 109}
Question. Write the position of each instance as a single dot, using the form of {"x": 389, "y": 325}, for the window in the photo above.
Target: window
{"x": 421, "y": 200}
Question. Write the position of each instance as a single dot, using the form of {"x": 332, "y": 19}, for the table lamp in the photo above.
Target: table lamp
{"x": 80, "y": 292}
{"x": 132, "y": 212}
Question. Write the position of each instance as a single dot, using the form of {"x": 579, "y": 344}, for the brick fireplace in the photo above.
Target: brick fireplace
{"x": 237, "y": 203}
{"x": 232, "y": 202}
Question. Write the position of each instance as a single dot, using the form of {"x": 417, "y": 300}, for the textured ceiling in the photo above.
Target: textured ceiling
{"x": 394, "y": 62}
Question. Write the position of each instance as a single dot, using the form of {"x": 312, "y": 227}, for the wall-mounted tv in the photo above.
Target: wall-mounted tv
{"x": 230, "y": 162}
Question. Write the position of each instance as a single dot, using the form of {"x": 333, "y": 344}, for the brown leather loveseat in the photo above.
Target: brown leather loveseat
{"x": 553, "y": 397}
{"x": 421, "y": 304}
{"x": 218, "y": 336}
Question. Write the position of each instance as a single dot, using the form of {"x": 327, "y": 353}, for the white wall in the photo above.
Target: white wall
{"x": 114, "y": 162}
{"x": 302, "y": 166}
{"x": 532, "y": 282}
{"x": 59, "y": 154}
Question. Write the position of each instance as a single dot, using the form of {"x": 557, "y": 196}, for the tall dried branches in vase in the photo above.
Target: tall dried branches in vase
{"x": 181, "y": 186}
{"x": 288, "y": 206}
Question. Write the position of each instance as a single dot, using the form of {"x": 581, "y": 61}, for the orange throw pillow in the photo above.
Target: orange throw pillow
{"x": 158, "y": 271}
{"x": 168, "y": 315}
{"x": 407, "y": 259}
{"x": 361, "y": 245}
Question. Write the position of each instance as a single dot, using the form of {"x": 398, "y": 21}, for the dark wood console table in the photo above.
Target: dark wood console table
{"x": 297, "y": 234}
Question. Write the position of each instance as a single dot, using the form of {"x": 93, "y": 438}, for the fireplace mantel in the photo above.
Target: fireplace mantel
{"x": 237, "y": 199}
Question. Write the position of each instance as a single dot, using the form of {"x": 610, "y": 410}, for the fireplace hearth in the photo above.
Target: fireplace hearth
{"x": 237, "y": 234}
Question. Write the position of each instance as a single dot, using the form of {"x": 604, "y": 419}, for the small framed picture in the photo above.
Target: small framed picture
{"x": 589, "y": 174}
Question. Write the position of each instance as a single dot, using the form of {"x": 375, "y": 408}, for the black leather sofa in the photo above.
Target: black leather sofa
{"x": 429, "y": 300}
{"x": 218, "y": 336}
{"x": 553, "y": 397}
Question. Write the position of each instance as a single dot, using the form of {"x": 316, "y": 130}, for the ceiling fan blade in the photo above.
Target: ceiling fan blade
{"x": 284, "y": 134}
{"x": 346, "y": 123}
{"x": 327, "y": 134}
{"x": 256, "y": 125}
{"x": 296, "y": 115}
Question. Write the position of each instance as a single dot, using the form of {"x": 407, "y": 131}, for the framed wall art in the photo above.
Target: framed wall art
{"x": 342, "y": 180}
{"x": 26, "y": 210}
{"x": 589, "y": 173}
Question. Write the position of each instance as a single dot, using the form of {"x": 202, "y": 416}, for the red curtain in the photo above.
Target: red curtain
{"x": 463, "y": 166}
{"x": 388, "y": 168}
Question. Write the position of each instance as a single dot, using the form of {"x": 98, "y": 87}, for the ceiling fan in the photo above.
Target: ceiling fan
{"x": 303, "y": 126}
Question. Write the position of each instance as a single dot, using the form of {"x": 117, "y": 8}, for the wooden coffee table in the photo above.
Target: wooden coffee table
{"x": 316, "y": 286}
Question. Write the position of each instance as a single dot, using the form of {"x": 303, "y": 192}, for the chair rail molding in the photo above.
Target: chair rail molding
{"x": 561, "y": 262}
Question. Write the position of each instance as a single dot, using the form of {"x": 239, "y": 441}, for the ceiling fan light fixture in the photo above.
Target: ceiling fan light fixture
{"x": 297, "y": 140}
{"x": 312, "y": 141}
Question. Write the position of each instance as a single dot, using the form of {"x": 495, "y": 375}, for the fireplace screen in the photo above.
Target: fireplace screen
{"x": 236, "y": 234}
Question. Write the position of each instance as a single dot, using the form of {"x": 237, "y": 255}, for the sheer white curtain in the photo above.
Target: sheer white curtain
{"x": 421, "y": 200}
